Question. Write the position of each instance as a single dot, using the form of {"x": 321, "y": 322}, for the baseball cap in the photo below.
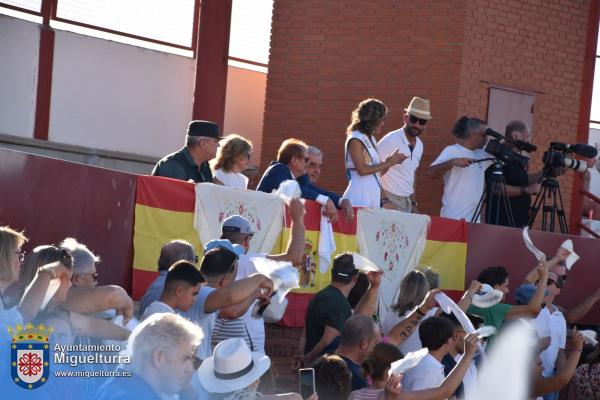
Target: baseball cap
{"x": 237, "y": 223}
{"x": 343, "y": 266}
{"x": 224, "y": 244}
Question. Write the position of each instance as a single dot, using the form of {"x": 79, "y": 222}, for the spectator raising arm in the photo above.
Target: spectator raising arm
{"x": 446, "y": 389}
{"x": 237, "y": 292}
{"x": 295, "y": 248}
{"x": 534, "y": 306}
{"x": 34, "y": 294}
{"x": 101, "y": 298}
{"x": 367, "y": 305}
{"x": 402, "y": 330}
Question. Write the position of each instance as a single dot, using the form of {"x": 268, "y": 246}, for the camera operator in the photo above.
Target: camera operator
{"x": 463, "y": 176}
{"x": 520, "y": 184}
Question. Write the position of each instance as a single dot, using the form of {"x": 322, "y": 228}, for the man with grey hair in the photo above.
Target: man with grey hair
{"x": 463, "y": 172}
{"x": 171, "y": 252}
{"x": 191, "y": 162}
{"x": 161, "y": 351}
{"x": 84, "y": 263}
{"x": 315, "y": 163}
{"x": 313, "y": 170}
{"x": 359, "y": 335}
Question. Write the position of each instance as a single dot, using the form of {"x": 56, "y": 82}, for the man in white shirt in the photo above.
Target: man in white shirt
{"x": 550, "y": 322}
{"x": 463, "y": 172}
{"x": 399, "y": 180}
{"x": 238, "y": 230}
{"x": 437, "y": 334}
{"x": 181, "y": 288}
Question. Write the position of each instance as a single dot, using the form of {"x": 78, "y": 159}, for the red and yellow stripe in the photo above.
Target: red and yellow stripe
{"x": 164, "y": 210}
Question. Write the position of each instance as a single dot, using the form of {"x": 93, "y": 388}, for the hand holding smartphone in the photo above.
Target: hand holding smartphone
{"x": 307, "y": 382}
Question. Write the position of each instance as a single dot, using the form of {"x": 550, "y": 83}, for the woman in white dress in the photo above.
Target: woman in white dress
{"x": 364, "y": 165}
{"x": 232, "y": 159}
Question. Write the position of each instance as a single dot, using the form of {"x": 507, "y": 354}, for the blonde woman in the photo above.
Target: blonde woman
{"x": 413, "y": 289}
{"x": 232, "y": 159}
{"x": 364, "y": 164}
{"x": 11, "y": 257}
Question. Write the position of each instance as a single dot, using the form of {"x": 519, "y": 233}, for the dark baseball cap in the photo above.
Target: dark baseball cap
{"x": 343, "y": 266}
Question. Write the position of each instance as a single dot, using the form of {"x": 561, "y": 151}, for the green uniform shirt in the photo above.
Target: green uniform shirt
{"x": 181, "y": 165}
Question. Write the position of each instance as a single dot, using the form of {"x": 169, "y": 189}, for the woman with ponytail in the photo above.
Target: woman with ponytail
{"x": 364, "y": 165}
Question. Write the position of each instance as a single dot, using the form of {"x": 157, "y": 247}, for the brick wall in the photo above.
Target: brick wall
{"x": 326, "y": 56}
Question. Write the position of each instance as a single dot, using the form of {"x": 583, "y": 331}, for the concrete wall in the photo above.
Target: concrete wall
{"x": 327, "y": 56}
{"x": 114, "y": 97}
{"x": 19, "y": 48}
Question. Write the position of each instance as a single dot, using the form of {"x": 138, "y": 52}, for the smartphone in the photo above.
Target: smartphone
{"x": 307, "y": 382}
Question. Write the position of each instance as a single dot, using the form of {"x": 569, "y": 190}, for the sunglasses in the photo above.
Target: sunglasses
{"x": 21, "y": 255}
{"x": 558, "y": 283}
{"x": 414, "y": 120}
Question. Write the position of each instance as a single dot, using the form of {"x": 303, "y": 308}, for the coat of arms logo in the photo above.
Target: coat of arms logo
{"x": 30, "y": 355}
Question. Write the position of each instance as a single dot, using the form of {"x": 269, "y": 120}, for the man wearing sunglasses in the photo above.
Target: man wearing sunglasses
{"x": 292, "y": 161}
{"x": 399, "y": 181}
{"x": 559, "y": 267}
{"x": 550, "y": 322}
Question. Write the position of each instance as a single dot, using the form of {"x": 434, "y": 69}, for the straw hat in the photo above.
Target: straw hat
{"x": 419, "y": 108}
{"x": 232, "y": 367}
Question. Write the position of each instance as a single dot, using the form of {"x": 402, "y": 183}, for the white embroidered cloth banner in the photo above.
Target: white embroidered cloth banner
{"x": 214, "y": 203}
{"x": 394, "y": 241}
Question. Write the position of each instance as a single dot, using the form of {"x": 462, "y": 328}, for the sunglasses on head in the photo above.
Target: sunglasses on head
{"x": 414, "y": 120}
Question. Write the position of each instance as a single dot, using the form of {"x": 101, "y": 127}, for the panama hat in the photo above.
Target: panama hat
{"x": 232, "y": 367}
{"x": 487, "y": 297}
{"x": 419, "y": 108}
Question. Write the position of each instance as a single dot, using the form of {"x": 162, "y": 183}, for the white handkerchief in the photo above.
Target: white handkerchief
{"x": 485, "y": 331}
{"x": 53, "y": 286}
{"x": 289, "y": 190}
{"x": 285, "y": 277}
{"x": 363, "y": 264}
{"x": 446, "y": 303}
{"x": 539, "y": 255}
{"x": 326, "y": 244}
{"x": 409, "y": 361}
{"x": 573, "y": 257}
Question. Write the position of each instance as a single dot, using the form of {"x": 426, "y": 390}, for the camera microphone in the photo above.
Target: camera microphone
{"x": 584, "y": 150}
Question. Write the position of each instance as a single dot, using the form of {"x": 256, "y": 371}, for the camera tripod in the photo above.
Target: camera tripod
{"x": 495, "y": 198}
{"x": 549, "y": 199}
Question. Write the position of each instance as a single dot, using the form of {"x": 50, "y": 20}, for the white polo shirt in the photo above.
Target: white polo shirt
{"x": 400, "y": 179}
{"x": 463, "y": 187}
{"x": 554, "y": 325}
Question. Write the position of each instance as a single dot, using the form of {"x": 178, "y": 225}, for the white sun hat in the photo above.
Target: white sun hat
{"x": 487, "y": 297}
{"x": 232, "y": 367}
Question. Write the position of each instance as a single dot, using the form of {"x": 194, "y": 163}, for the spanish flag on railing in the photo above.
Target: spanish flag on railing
{"x": 164, "y": 211}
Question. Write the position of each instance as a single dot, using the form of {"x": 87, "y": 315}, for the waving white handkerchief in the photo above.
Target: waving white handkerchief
{"x": 289, "y": 190}
{"x": 539, "y": 255}
{"x": 573, "y": 257}
{"x": 363, "y": 264}
{"x": 409, "y": 361}
{"x": 283, "y": 274}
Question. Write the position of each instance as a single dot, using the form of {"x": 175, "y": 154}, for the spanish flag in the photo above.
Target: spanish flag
{"x": 164, "y": 210}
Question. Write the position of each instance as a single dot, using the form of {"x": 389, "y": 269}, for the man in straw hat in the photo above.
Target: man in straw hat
{"x": 399, "y": 181}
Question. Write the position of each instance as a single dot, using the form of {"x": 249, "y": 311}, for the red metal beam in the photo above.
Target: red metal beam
{"x": 585, "y": 106}
{"x": 211, "y": 61}
{"x": 44, "y": 83}
{"x": 20, "y": 9}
